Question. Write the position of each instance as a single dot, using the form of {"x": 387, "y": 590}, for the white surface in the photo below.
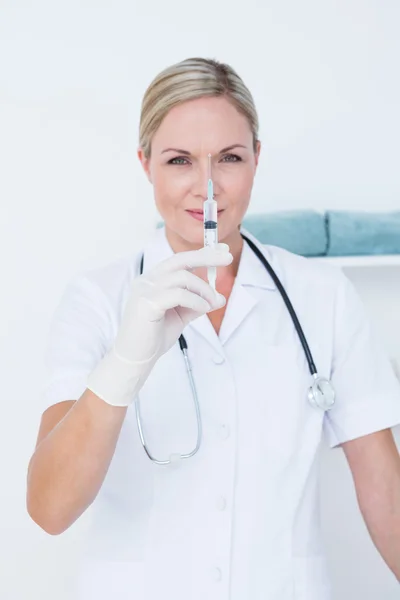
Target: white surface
{"x": 384, "y": 260}
{"x": 72, "y": 193}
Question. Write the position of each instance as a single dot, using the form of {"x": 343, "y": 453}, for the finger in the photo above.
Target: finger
{"x": 187, "y": 315}
{"x": 172, "y": 298}
{"x": 193, "y": 283}
{"x": 204, "y": 257}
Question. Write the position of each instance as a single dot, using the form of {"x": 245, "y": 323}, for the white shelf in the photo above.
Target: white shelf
{"x": 385, "y": 260}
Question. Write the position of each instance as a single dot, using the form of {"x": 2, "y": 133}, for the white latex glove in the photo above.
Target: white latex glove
{"x": 160, "y": 305}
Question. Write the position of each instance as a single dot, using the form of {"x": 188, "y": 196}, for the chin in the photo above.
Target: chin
{"x": 191, "y": 234}
{"x": 195, "y": 236}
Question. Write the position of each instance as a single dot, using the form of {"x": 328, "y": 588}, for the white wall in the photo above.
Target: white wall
{"x": 72, "y": 74}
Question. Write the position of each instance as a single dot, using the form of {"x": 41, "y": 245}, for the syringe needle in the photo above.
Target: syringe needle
{"x": 210, "y": 187}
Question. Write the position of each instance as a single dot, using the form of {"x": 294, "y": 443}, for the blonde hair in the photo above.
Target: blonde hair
{"x": 188, "y": 80}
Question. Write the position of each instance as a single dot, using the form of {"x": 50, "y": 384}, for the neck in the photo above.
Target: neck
{"x": 234, "y": 241}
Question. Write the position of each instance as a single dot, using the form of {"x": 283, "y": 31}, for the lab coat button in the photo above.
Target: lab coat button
{"x": 216, "y": 574}
{"x": 221, "y": 503}
{"x": 218, "y": 359}
{"x": 224, "y": 432}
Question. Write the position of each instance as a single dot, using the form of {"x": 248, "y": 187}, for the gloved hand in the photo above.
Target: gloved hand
{"x": 160, "y": 304}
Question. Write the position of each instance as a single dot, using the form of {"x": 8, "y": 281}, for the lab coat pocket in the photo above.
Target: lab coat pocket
{"x": 311, "y": 578}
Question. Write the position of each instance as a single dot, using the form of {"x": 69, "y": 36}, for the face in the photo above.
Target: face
{"x": 178, "y": 168}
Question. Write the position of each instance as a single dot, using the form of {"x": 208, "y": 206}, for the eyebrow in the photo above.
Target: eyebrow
{"x": 180, "y": 151}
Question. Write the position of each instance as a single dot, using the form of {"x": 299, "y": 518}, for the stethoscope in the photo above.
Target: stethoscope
{"x": 320, "y": 394}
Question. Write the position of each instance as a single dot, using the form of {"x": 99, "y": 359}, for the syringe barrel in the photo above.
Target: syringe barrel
{"x": 210, "y": 214}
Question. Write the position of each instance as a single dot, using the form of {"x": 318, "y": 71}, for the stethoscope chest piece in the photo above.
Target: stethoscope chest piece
{"x": 321, "y": 394}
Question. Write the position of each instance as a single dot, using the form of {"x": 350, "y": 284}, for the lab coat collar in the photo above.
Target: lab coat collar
{"x": 251, "y": 277}
{"x": 251, "y": 274}
{"x": 156, "y": 250}
{"x": 251, "y": 271}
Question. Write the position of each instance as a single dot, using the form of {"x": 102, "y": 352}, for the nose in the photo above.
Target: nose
{"x": 200, "y": 179}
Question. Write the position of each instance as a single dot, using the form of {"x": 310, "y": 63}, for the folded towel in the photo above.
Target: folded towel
{"x": 299, "y": 231}
{"x": 361, "y": 233}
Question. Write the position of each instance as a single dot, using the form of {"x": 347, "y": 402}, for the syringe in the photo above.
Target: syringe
{"x": 210, "y": 224}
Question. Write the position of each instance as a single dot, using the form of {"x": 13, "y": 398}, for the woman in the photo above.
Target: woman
{"x": 237, "y": 520}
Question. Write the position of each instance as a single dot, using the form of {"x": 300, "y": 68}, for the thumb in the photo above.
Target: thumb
{"x": 220, "y": 301}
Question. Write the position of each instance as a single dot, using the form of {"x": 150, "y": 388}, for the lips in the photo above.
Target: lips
{"x": 197, "y": 213}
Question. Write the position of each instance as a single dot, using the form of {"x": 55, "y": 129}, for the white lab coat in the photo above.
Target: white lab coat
{"x": 238, "y": 521}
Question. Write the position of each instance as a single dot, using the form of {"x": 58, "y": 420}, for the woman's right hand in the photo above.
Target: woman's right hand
{"x": 160, "y": 304}
{"x": 164, "y": 300}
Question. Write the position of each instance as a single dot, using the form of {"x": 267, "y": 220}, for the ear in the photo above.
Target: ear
{"x": 257, "y": 152}
{"x": 145, "y": 162}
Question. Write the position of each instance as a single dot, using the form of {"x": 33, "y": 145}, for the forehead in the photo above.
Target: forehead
{"x": 205, "y": 122}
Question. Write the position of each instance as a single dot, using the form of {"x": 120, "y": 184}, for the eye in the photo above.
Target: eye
{"x": 232, "y": 158}
{"x": 178, "y": 160}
